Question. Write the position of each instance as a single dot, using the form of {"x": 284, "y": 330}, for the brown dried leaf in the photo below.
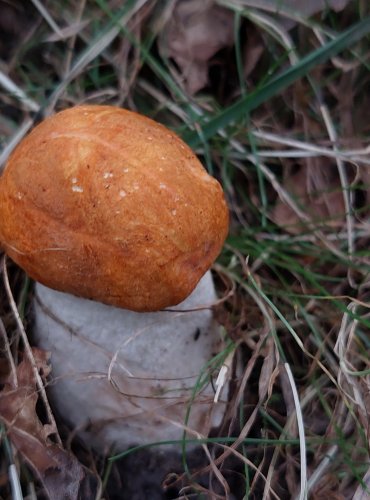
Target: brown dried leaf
{"x": 195, "y": 32}
{"x": 62, "y": 476}
{"x": 318, "y": 194}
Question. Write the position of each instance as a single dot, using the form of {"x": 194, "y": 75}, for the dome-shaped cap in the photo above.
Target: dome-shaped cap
{"x": 109, "y": 205}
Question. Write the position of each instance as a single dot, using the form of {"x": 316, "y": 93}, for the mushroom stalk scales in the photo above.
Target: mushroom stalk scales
{"x": 124, "y": 378}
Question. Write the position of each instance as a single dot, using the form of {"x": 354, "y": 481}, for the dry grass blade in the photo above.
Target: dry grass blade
{"x": 301, "y": 433}
{"x": 45, "y": 14}
{"x": 344, "y": 181}
{"x": 93, "y": 51}
{"x": 28, "y": 350}
{"x": 17, "y": 137}
{"x": 8, "y": 354}
{"x": 15, "y": 483}
{"x": 287, "y": 198}
{"x": 357, "y": 155}
{"x": 363, "y": 490}
{"x": 17, "y": 92}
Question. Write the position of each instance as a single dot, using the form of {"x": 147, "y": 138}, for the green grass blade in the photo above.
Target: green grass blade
{"x": 246, "y": 104}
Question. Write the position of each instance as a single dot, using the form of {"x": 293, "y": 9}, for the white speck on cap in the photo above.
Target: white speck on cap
{"x": 77, "y": 189}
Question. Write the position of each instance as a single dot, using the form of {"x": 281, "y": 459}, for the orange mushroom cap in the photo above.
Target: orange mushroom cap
{"x": 107, "y": 204}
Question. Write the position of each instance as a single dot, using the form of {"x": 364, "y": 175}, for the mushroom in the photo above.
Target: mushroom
{"x": 118, "y": 223}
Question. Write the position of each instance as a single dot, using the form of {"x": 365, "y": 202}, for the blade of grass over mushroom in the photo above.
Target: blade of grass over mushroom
{"x": 208, "y": 128}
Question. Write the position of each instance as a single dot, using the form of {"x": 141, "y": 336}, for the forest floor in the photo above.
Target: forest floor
{"x": 274, "y": 98}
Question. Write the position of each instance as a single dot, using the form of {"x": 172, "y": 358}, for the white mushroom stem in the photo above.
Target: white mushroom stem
{"x": 123, "y": 378}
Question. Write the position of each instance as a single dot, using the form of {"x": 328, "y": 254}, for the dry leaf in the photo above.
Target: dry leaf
{"x": 195, "y": 32}
{"x": 317, "y": 193}
{"x": 62, "y": 476}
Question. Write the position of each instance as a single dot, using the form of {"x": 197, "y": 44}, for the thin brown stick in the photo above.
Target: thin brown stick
{"x": 28, "y": 351}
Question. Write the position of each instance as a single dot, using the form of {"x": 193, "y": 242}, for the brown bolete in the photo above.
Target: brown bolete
{"x": 115, "y": 218}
